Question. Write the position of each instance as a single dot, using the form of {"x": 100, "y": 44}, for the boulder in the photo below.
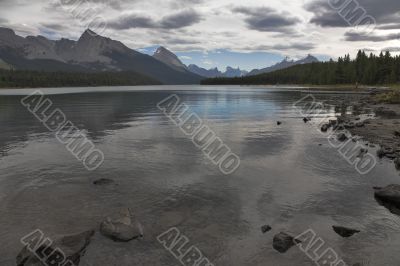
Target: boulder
{"x": 103, "y": 182}
{"x": 279, "y": 123}
{"x": 349, "y": 125}
{"x": 121, "y": 228}
{"x": 325, "y": 127}
{"x": 389, "y": 194}
{"x": 362, "y": 152}
{"x": 397, "y": 163}
{"x": 333, "y": 122}
{"x": 360, "y": 124}
{"x": 380, "y": 153}
{"x": 306, "y": 119}
{"x": 73, "y": 247}
{"x": 265, "y": 228}
{"x": 341, "y": 137}
{"x": 344, "y": 232}
{"x": 283, "y": 242}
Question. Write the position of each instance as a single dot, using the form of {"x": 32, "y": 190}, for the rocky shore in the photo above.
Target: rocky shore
{"x": 381, "y": 129}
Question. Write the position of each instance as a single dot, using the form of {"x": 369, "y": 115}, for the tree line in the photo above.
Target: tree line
{"x": 36, "y": 79}
{"x": 364, "y": 69}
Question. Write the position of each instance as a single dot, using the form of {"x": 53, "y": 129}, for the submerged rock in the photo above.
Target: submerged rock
{"x": 279, "y": 123}
{"x": 265, "y": 228}
{"x": 389, "y": 194}
{"x": 283, "y": 242}
{"x": 123, "y": 227}
{"x": 73, "y": 247}
{"x": 306, "y": 119}
{"x": 325, "y": 127}
{"x": 333, "y": 122}
{"x": 397, "y": 163}
{"x": 344, "y": 231}
{"x": 360, "y": 124}
{"x": 349, "y": 125}
{"x": 103, "y": 182}
{"x": 341, "y": 137}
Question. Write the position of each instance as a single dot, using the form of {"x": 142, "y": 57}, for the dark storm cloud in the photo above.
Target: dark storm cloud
{"x": 361, "y": 37}
{"x": 132, "y": 21}
{"x": 178, "y": 20}
{"x": 267, "y": 19}
{"x": 383, "y": 11}
{"x": 55, "y": 26}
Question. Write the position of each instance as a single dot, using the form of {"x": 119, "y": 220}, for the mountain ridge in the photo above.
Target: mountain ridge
{"x": 285, "y": 63}
{"x": 230, "y": 72}
{"x": 90, "y": 53}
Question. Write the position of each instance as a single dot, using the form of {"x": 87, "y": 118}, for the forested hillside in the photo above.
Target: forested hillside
{"x": 364, "y": 69}
{"x": 34, "y": 79}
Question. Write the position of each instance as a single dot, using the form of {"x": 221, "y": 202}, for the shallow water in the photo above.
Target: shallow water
{"x": 285, "y": 179}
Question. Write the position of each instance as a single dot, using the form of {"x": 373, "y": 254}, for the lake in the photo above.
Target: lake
{"x": 289, "y": 177}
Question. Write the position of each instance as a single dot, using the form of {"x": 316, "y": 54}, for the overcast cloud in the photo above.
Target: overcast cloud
{"x": 285, "y": 27}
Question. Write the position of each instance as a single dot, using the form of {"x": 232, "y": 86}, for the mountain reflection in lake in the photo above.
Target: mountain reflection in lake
{"x": 286, "y": 179}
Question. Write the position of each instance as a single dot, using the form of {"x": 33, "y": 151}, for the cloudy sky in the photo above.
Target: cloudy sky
{"x": 249, "y": 34}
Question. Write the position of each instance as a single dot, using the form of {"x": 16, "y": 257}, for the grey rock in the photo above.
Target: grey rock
{"x": 341, "y": 137}
{"x": 283, "y": 242}
{"x": 349, "y": 125}
{"x": 103, "y": 181}
{"x": 121, "y": 228}
{"x": 344, "y": 231}
{"x": 380, "y": 153}
{"x": 72, "y": 246}
{"x": 389, "y": 197}
{"x": 265, "y": 228}
{"x": 325, "y": 127}
{"x": 397, "y": 163}
{"x": 360, "y": 124}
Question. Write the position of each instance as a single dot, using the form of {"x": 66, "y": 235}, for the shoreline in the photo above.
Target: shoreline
{"x": 340, "y": 88}
{"x": 382, "y": 130}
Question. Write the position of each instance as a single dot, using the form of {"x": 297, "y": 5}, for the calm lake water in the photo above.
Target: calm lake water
{"x": 285, "y": 179}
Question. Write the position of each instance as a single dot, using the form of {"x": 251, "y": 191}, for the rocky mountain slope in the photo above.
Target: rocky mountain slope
{"x": 284, "y": 64}
{"x": 169, "y": 58}
{"x": 214, "y": 72}
{"x": 91, "y": 53}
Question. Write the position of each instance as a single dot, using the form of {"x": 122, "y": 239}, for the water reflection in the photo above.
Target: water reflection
{"x": 286, "y": 179}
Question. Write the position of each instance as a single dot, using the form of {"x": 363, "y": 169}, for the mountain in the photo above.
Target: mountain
{"x": 234, "y": 72}
{"x": 169, "y": 58}
{"x": 214, "y": 72}
{"x": 91, "y": 53}
{"x": 208, "y": 73}
{"x": 284, "y": 64}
